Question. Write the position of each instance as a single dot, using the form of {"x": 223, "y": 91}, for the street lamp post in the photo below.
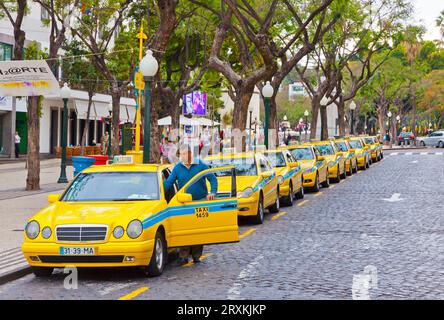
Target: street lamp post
{"x": 389, "y": 115}
{"x": 285, "y": 128}
{"x": 148, "y": 67}
{"x": 267, "y": 92}
{"x": 301, "y": 121}
{"x": 352, "y": 118}
{"x": 65, "y": 94}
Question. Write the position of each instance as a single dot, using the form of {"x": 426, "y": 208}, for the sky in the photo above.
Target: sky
{"x": 426, "y": 12}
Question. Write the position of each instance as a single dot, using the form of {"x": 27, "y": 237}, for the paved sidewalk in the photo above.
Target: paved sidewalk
{"x": 17, "y": 205}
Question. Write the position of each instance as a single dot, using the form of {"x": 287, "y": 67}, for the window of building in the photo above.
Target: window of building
{"x": 5, "y": 51}
{"x": 44, "y": 14}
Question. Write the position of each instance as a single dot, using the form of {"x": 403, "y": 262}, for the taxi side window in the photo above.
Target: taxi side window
{"x": 289, "y": 157}
{"x": 170, "y": 193}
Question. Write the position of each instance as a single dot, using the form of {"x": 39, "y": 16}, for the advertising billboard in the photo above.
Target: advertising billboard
{"x": 195, "y": 103}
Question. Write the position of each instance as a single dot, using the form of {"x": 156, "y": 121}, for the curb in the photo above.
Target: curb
{"x": 15, "y": 274}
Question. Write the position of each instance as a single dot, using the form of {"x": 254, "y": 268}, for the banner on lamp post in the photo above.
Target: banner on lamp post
{"x": 27, "y": 78}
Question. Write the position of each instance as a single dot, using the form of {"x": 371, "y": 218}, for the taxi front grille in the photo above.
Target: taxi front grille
{"x": 81, "y": 233}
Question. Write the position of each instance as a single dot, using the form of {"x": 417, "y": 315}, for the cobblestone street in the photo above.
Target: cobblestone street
{"x": 356, "y": 239}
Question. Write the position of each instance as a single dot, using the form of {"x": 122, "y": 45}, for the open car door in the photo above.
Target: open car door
{"x": 202, "y": 221}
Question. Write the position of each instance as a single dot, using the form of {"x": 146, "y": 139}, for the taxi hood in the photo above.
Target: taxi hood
{"x": 110, "y": 213}
{"x": 306, "y": 164}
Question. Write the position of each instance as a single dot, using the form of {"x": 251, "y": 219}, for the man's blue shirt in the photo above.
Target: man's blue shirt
{"x": 182, "y": 175}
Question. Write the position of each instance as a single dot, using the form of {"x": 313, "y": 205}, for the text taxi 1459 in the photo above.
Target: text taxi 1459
{"x": 119, "y": 215}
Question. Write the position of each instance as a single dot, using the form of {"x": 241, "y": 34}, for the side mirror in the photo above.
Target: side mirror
{"x": 266, "y": 174}
{"x": 184, "y": 197}
{"x": 320, "y": 158}
{"x": 53, "y": 198}
{"x": 293, "y": 164}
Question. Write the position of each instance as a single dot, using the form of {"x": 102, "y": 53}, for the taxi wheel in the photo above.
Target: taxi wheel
{"x": 42, "y": 272}
{"x": 326, "y": 183}
{"x": 301, "y": 192}
{"x": 316, "y": 186}
{"x": 344, "y": 172}
{"x": 259, "y": 217}
{"x": 367, "y": 165}
{"x": 288, "y": 200}
{"x": 338, "y": 178}
{"x": 159, "y": 256}
{"x": 276, "y": 206}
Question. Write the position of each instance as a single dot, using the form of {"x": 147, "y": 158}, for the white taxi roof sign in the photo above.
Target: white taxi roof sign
{"x": 127, "y": 159}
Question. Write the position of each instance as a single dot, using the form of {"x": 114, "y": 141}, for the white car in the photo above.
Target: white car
{"x": 434, "y": 139}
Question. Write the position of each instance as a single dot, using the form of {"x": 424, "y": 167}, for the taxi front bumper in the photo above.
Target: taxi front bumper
{"x": 310, "y": 179}
{"x": 248, "y": 206}
{"x": 333, "y": 172}
{"x": 110, "y": 254}
{"x": 362, "y": 161}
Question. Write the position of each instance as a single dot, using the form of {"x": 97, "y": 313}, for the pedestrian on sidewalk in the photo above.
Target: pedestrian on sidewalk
{"x": 387, "y": 137}
{"x": 17, "y": 144}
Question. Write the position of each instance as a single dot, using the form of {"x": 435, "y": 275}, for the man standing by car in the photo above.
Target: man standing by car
{"x": 183, "y": 172}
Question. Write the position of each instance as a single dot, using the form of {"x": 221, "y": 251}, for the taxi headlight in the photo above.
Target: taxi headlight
{"x": 134, "y": 229}
{"x": 32, "y": 229}
{"x": 247, "y": 192}
{"x": 280, "y": 179}
{"x": 118, "y": 232}
{"x": 46, "y": 232}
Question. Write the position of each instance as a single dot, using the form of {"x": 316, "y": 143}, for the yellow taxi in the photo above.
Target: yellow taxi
{"x": 335, "y": 159}
{"x": 289, "y": 174}
{"x": 375, "y": 148}
{"x": 256, "y": 180}
{"x": 362, "y": 152}
{"x": 119, "y": 215}
{"x": 314, "y": 166}
{"x": 351, "y": 162}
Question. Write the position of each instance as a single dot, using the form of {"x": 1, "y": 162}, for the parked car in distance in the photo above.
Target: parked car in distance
{"x": 406, "y": 138}
{"x": 434, "y": 139}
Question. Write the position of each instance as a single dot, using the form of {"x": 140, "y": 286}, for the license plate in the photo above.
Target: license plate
{"x": 77, "y": 251}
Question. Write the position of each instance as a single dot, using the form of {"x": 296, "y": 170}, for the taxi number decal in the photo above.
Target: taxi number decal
{"x": 201, "y": 212}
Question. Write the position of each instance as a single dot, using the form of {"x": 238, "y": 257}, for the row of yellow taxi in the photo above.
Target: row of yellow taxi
{"x": 119, "y": 215}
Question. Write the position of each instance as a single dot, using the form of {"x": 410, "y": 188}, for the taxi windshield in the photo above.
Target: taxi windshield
{"x": 243, "y": 166}
{"x": 302, "y": 154}
{"x": 355, "y": 144}
{"x": 342, "y": 146}
{"x": 325, "y": 149}
{"x": 113, "y": 186}
{"x": 276, "y": 159}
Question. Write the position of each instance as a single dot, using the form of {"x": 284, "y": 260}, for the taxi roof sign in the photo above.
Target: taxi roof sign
{"x": 127, "y": 159}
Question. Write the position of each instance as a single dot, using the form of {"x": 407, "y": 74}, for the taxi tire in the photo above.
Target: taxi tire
{"x": 288, "y": 200}
{"x": 338, "y": 178}
{"x": 344, "y": 174}
{"x": 274, "y": 208}
{"x": 316, "y": 186}
{"x": 301, "y": 193}
{"x": 260, "y": 215}
{"x": 356, "y": 167}
{"x": 153, "y": 269}
{"x": 326, "y": 183}
{"x": 42, "y": 272}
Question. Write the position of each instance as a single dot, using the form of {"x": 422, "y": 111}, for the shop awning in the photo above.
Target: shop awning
{"x": 131, "y": 113}
{"x": 82, "y": 110}
{"x": 102, "y": 109}
{"x": 123, "y": 114}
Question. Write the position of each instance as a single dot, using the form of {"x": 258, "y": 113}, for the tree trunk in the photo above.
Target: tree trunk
{"x": 341, "y": 113}
{"x": 33, "y": 160}
{"x": 154, "y": 134}
{"x": 412, "y": 89}
{"x": 241, "y": 103}
{"x": 324, "y": 123}
{"x": 86, "y": 128}
{"x": 115, "y": 96}
{"x": 315, "y": 105}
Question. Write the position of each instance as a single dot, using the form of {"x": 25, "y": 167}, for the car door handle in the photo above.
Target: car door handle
{"x": 225, "y": 206}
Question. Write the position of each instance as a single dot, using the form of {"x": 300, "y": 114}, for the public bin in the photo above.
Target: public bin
{"x": 80, "y": 163}
{"x": 100, "y": 160}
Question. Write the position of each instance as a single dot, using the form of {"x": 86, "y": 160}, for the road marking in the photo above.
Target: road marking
{"x": 394, "y": 154}
{"x": 241, "y": 281}
{"x": 424, "y": 153}
{"x": 202, "y": 258}
{"x": 134, "y": 294}
{"x": 277, "y": 215}
{"x": 302, "y": 203}
{"x": 416, "y": 161}
{"x": 246, "y": 233}
{"x": 333, "y": 185}
{"x": 439, "y": 153}
{"x": 408, "y": 153}
{"x": 394, "y": 198}
{"x": 318, "y": 194}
